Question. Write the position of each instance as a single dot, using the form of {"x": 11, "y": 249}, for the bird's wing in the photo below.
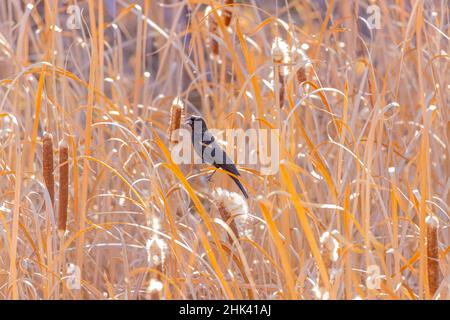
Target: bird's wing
{"x": 212, "y": 153}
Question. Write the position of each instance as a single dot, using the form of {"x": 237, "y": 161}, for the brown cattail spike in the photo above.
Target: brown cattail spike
{"x": 303, "y": 62}
{"x": 47, "y": 165}
{"x": 301, "y": 74}
{"x": 63, "y": 186}
{"x": 227, "y": 14}
{"x": 432, "y": 253}
{"x": 280, "y": 57}
{"x": 212, "y": 28}
{"x": 282, "y": 88}
{"x": 176, "y": 112}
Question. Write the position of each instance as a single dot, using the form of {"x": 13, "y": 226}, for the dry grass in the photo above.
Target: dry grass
{"x": 364, "y": 150}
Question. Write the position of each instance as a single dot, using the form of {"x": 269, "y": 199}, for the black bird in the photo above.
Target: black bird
{"x": 206, "y": 146}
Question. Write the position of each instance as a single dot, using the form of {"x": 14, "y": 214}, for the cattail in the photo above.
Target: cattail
{"x": 63, "y": 186}
{"x": 156, "y": 251}
{"x": 280, "y": 57}
{"x": 330, "y": 250}
{"x": 432, "y": 253}
{"x": 212, "y": 23}
{"x": 320, "y": 292}
{"x": 282, "y": 88}
{"x": 300, "y": 58}
{"x": 47, "y": 165}
{"x": 176, "y": 112}
{"x": 156, "y": 257}
{"x": 154, "y": 289}
{"x": 301, "y": 74}
{"x": 214, "y": 46}
{"x": 330, "y": 246}
{"x": 227, "y": 15}
{"x": 279, "y": 50}
{"x": 330, "y": 253}
{"x": 233, "y": 209}
{"x": 156, "y": 247}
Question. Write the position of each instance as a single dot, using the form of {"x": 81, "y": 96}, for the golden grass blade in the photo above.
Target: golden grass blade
{"x": 305, "y": 226}
{"x": 281, "y": 248}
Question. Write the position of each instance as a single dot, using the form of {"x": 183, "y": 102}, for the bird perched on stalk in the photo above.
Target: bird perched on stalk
{"x": 206, "y": 146}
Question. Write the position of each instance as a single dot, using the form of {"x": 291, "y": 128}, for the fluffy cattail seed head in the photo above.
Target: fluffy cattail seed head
{"x": 156, "y": 247}
{"x": 233, "y": 209}
{"x": 154, "y": 289}
{"x": 279, "y": 50}
{"x": 304, "y": 64}
{"x": 330, "y": 253}
{"x": 330, "y": 248}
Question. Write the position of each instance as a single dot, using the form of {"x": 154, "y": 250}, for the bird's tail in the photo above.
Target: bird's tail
{"x": 239, "y": 184}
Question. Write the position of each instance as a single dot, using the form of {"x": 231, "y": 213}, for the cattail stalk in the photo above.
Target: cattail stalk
{"x": 63, "y": 186}
{"x": 47, "y": 165}
{"x": 432, "y": 254}
{"x": 176, "y": 112}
